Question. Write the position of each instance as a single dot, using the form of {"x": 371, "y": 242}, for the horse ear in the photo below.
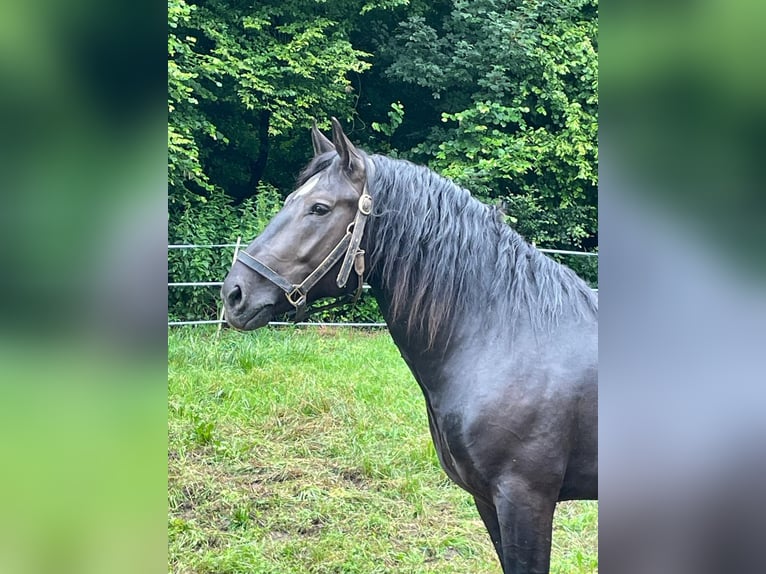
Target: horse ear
{"x": 319, "y": 141}
{"x": 351, "y": 159}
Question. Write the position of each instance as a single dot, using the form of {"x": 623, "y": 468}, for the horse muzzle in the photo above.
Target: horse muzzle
{"x": 248, "y": 306}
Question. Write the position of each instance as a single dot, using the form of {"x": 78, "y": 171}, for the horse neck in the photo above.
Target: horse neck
{"x": 417, "y": 344}
{"x": 425, "y": 326}
{"x": 447, "y": 267}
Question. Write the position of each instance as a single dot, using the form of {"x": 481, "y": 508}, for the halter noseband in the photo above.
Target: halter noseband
{"x": 347, "y": 249}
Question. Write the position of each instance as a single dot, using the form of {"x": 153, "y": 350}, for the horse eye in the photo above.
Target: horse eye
{"x": 319, "y": 209}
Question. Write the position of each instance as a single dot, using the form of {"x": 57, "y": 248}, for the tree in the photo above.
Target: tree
{"x": 241, "y": 74}
{"x": 515, "y": 84}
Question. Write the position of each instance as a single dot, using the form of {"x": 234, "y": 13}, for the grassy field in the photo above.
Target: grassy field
{"x": 295, "y": 451}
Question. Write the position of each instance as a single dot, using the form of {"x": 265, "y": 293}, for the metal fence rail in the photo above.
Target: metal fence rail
{"x": 236, "y": 246}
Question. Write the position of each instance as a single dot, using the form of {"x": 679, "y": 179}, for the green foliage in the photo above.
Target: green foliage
{"x": 396, "y": 115}
{"x": 186, "y": 123}
{"x": 365, "y": 310}
{"x": 516, "y": 86}
{"x": 237, "y": 69}
{"x": 200, "y": 220}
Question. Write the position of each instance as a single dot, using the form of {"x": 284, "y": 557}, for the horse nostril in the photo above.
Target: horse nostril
{"x": 234, "y": 296}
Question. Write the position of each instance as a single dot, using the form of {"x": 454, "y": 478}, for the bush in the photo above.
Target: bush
{"x": 206, "y": 220}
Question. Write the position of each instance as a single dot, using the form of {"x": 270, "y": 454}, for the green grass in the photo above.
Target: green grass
{"x": 294, "y": 451}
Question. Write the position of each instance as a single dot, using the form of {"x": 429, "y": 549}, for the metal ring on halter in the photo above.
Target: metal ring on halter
{"x": 365, "y": 203}
{"x": 301, "y": 301}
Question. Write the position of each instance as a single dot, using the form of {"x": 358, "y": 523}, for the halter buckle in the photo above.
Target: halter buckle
{"x": 359, "y": 262}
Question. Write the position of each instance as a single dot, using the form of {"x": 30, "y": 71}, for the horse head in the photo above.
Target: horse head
{"x": 308, "y": 249}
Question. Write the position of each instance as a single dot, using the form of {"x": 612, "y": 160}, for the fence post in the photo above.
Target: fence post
{"x": 220, "y": 316}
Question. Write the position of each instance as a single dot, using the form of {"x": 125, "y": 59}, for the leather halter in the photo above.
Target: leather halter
{"x": 347, "y": 249}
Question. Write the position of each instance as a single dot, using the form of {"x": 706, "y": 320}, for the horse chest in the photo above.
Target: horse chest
{"x": 453, "y": 451}
{"x": 450, "y": 451}
{"x": 445, "y": 426}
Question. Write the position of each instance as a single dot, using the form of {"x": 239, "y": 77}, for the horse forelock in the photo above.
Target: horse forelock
{"x": 317, "y": 164}
{"x": 439, "y": 253}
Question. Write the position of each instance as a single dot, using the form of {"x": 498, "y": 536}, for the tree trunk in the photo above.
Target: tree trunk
{"x": 258, "y": 165}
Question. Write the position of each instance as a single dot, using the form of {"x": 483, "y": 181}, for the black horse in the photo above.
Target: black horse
{"x": 502, "y": 340}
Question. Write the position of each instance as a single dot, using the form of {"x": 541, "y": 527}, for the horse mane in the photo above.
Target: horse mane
{"x": 441, "y": 253}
